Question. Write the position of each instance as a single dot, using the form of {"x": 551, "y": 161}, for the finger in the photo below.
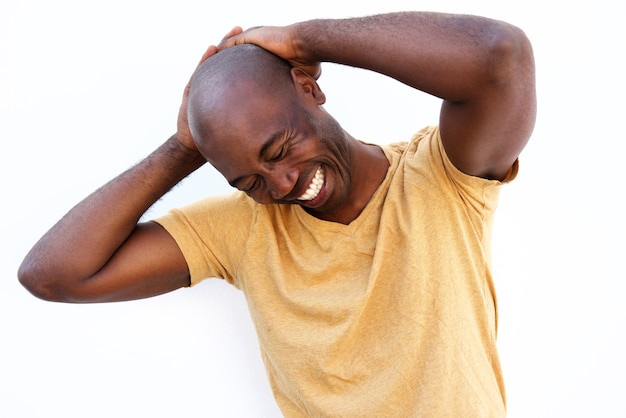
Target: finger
{"x": 228, "y": 42}
{"x": 211, "y": 50}
{"x": 317, "y": 72}
{"x": 234, "y": 31}
{"x": 234, "y": 37}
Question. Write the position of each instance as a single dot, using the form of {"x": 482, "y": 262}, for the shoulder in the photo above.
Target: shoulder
{"x": 214, "y": 213}
{"x": 426, "y": 151}
{"x": 425, "y": 173}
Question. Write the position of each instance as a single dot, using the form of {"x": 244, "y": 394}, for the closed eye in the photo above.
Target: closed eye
{"x": 252, "y": 187}
{"x": 282, "y": 151}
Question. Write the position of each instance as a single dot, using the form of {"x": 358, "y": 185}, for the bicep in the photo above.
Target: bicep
{"x": 484, "y": 133}
{"x": 149, "y": 263}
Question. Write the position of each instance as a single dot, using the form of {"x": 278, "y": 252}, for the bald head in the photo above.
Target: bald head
{"x": 232, "y": 77}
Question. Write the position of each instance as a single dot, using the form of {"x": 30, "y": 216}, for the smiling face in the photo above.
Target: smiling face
{"x": 261, "y": 124}
{"x": 273, "y": 139}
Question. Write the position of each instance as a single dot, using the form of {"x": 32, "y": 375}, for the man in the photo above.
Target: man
{"x": 366, "y": 268}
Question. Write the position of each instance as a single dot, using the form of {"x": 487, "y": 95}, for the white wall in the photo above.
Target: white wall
{"x": 89, "y": 88}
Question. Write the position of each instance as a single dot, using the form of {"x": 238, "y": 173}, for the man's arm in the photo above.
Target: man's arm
{"x": 482, "y": 69}
{"x": 97, "y": 252}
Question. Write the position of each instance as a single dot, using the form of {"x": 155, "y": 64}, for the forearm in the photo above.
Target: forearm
{"x": 84, "y": 240}
{"x": 449, "y": 56}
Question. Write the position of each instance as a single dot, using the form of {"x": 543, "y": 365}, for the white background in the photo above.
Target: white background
{"x": 89, "y": 88}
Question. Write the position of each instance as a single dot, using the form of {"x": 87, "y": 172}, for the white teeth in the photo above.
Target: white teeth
{"x": 315, "y": 186}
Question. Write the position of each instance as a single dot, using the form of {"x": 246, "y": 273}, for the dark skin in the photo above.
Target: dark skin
{"x": 482, "y": 69}
{"x": 286, "y": 144}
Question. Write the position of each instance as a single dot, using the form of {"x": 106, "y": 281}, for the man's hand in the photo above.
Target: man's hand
{"x": 279, "y": 40}
{"x": 183, "y": 134}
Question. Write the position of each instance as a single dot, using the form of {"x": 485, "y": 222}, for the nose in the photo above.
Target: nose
{"x": 281, "y": 181}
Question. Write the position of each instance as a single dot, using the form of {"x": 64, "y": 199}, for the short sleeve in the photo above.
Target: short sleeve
{"x": 478, "y": 193}
{"x": 211, "y": 234}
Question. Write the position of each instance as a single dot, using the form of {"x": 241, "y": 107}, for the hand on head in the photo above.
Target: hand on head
{"x": 279, "y": 40}
{"x": 183, "y": 134}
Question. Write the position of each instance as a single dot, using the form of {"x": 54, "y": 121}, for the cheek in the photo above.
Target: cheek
{"x": 338, "y": 151}
{"x": 334, "y": 138}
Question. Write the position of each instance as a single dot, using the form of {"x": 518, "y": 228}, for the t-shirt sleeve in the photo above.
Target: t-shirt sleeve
{"x": 478, "y": 193}
{"x": 211, "y": 234}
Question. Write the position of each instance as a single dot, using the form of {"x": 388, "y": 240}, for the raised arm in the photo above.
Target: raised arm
{"x": 97, "y": 252}
{"x": 483, "y": 70}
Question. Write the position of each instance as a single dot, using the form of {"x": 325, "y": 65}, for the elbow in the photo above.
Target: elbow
{"x": 40, "y": 284}
{"x": 509, "y": 56}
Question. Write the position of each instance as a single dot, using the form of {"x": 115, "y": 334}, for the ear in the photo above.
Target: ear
{"x": 308, "y": 85}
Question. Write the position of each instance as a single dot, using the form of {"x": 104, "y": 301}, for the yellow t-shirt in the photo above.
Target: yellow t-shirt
{"x": 393, "y": 315}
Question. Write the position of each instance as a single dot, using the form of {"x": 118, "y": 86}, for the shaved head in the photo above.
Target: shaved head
{"x": 261, "y": 123}
{"x": 230, "y": 78}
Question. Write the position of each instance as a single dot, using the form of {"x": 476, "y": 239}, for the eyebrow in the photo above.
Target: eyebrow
{"x": 267, "y": 145}
{"x": 271, "y": 141}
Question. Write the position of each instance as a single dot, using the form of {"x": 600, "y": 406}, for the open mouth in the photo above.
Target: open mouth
{"x": 314, "y": 188}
